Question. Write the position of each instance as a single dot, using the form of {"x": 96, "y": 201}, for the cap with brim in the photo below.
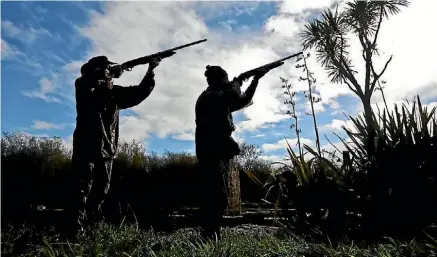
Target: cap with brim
{"x": 100, "y": 61}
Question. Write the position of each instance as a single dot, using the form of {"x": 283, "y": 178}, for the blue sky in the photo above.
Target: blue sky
{"x": 45, "y": 43}
{"x": 47, "y": 52}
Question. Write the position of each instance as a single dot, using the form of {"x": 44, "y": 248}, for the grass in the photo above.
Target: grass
{"x": 247, "y": 240}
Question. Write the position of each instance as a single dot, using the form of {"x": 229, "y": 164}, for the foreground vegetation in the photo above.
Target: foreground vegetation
{"x": 144, "y": 188}
{"x": 383, "y": 186}
{"x": 239, "y": 241}
{"x": 387, "y": 182}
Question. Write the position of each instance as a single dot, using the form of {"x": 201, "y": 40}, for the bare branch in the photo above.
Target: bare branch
{"x": 377, "y": 76}
{"x": 385, "y": 66}
{"x": 373, "y": 70}
{"x": 351, "y": 88}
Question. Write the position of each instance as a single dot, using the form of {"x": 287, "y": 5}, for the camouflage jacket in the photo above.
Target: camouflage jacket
{"x": 214, "y": 122}
{"x": 97, "y": 129}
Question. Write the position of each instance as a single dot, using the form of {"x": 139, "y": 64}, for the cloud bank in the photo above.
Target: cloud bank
{"x": 127, "y": 30}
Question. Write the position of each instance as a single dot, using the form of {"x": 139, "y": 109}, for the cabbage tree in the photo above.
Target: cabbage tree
{"x": 329, "y": 37}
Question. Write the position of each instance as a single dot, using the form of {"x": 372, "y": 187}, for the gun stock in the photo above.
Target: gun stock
{"x": 246, "y": 75}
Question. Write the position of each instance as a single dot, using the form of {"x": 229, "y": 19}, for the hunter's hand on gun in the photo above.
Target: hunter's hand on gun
{"x": 258, "y": 74}
{"x": 153, "y": 64}
{"x": 261, "y": 72}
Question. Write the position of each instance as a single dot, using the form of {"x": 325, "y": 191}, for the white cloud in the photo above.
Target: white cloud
{"x": 273, "y": 158}
{"x": 25, "y": 35}
{"x": 282, "y": 144}
{"x": 170, "y": 108}
{"x": 318, "y": 108}
{"x": 9, "y": 51}
{"x": 296, "y": 6}
{"x": 39, "y": 124}
{"x": 185, "y": 136}
{"x": 179, "y": 79}
{"x": 210, "y": 10}
{"x": 337, "y": 125}
{"x": 282, "y": 26}
{"x": 73, "y": 67}
{"x": 46, "y": 87}
{"x": 410, "y": 71}
{"x": 129, "y": 129}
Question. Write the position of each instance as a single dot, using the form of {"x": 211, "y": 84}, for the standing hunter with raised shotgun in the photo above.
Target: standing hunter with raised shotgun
{"x": 95, "y": 139}
{"x": 215, "y": 147}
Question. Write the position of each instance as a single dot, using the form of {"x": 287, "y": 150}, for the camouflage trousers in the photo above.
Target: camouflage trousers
{"x": 215, "y": 192}
{"x": 92, "y": 182}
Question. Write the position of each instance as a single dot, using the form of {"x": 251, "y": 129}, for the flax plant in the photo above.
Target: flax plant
{"x": 312, "y": 100}
{"x": 292, "y": 102}
{"x": 404, "y": 125}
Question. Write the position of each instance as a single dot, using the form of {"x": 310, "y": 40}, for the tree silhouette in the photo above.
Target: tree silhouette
{"x": 328, "y": 36}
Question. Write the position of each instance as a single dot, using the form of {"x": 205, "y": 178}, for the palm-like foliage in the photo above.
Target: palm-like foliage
{"x": 366, "y": 16}
{"x": 329, "y": 37}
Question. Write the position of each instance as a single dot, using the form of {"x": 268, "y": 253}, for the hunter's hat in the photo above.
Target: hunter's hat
{"x": 85, "y": 68}
{"x": 215, "y": 72}
{"x": 100, "y": 61}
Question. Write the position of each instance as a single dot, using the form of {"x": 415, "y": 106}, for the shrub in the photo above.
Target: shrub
{"x": 37, "y": 171}
{"x": 404, "y": 168}
{"x": 393, "y": 193}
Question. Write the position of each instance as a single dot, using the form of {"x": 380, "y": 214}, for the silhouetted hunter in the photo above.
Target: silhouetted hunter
{"x": 95, "y": 139}
{"x": 215, "y": 146}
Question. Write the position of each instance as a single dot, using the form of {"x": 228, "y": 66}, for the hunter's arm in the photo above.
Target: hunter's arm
{"x": 131, "y": 96}
{"x": 238, "y": 101}
{"x": 87, "y": 95}
{"x": 80, "y": 95}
